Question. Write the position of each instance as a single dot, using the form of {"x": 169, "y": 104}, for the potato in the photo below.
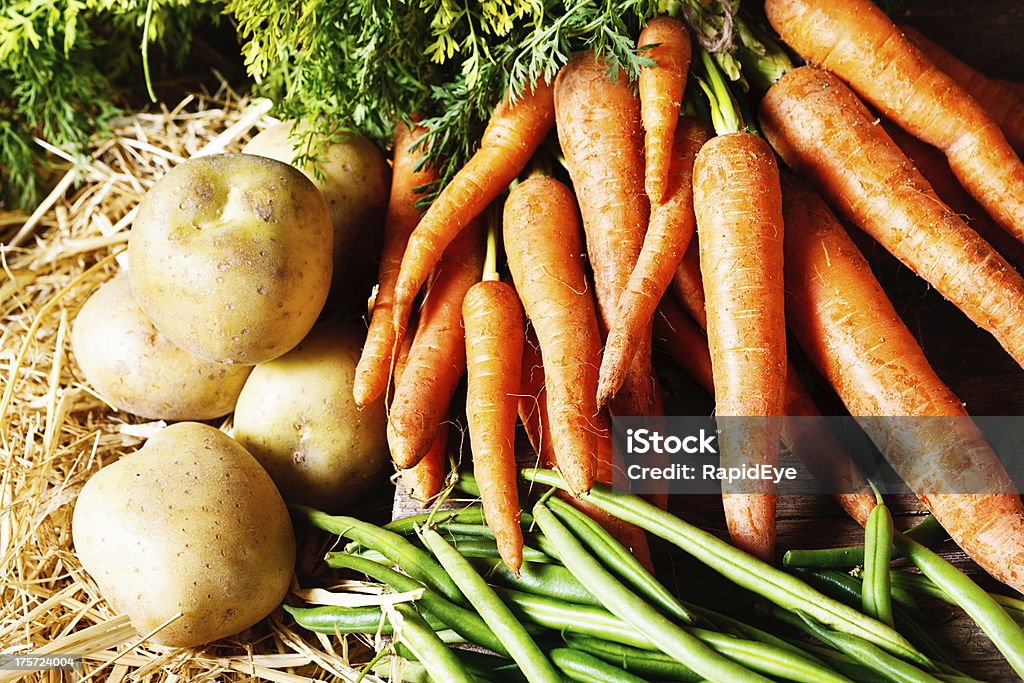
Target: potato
{"x": 296, "y": 415}
{"x": 230, "y": 257}
{"x": 138, "y": 370}
{"x": 355, "y": 183}
{"x": 188, "y": 524}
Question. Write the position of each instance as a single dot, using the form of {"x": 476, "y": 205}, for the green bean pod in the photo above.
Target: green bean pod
{"x": 585, "y": 668}
{"x": 850, "y": 668}
{"x": 927, "y": 532}
{"x": 669, "y": 637}
{"x": 465, "y": 622}
{"x": 562, "y": 617}
{"x": 332, "y": 619}
{"x": 868, "y": 654}
{"x": 648, "y": 663}
{"x": 550, "y": 580}
{"x": 988, "y": 614}
{"x": 619, "y": 560}
{"x": 401, "y": 670}
{"x": 412, "y": 560}
{"x": 438, "y": 659}
{"x": 470, "y": 514}
{"x": 747, "y": 631}
{"x": 876, "y": 595}
{"x": 742, "y": 569}
{"x": 517, "y": 642}
{"x": 920, "y": 583}
{"x": 486, "y": 549}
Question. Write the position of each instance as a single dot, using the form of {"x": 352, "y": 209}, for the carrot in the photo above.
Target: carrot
{"x": 856, "y": 40}
{"x": 534, "y": 415}
{"x": 933, "y": 166}
{"x": 826, "y": 134}
{"x": 437, "y": 358}
{"x": 999, "y": 98}
{"x": 542, "y": 240}
{"x": 513, "y": 134}
{"x": 598, "y": 122}
{"x": 494, "y": 350}
{"x": 374, "y": 365}
{"x": 851, "y": 332}
{"x": 738, "y": 205}
{"x": 669, "y": 233}
{"x": 665, "y": 41}
{"x": 804, "y": 431}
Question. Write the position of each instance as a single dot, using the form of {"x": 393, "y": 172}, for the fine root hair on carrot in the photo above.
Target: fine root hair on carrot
{"x": 738, "y": 205}
{"x": 542, "y": 239}
{"x": 849, "y": 329}
{"x": 374, "y": 367}
{"x": 668, "y": 235}
{"x": 858, "y": 42}
{"x": 493, "y": 321}
{"x": 437, "y": 357}
{"x": 665, "y": 41}
{"x": 515, "y": 131}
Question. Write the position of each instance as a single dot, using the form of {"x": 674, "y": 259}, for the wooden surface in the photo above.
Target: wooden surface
{"x": 989, "y": 36}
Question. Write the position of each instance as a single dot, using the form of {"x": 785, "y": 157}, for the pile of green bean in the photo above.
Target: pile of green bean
{"x": 584, "y": 609}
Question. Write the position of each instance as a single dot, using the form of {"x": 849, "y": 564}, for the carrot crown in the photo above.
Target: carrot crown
{"x": 729, "y": 113}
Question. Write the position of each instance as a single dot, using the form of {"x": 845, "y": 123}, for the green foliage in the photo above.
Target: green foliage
{"x": 62, "y": 63}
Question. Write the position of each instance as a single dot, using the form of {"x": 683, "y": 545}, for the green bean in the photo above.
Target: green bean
{"x": 332, "y": 619}
{"x": 440, "y": 662}
{"x": 412, "y": 560}
{"x": 596, "y": 622}
{"x": 518, "y": 643}
{"x": 619, "y": 560}
{"x": 470, "y": 514}
{"x": 487, "y": 549}
{"x": 625, "y": 604}
{"x": 746, "y": 630}
{"x": 988, "y": 614}
{"x": 848, "y": 589}
{"x": 927, "y": 532}
{"x": 550, "y": 580}
{"x": 922, "y": 584}
{"x": 745, "y": 570}
{"x": 648, "y": 663}
{"x": 585, "y": 668}
{"x": 769, "y": 660}
{"x": 876, "y": 595}
{"x": 845, "y": 665}
{"x": 466, "y": 622}
{"x": 867, "y": 653}
{"x": 401, "y": 670}
{"x": 482, "y": 531}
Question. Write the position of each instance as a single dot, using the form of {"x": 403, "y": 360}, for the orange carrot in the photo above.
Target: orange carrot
{"x": 856, "y": 40}
{"x": 601, "y": 136}
{"x": 671, "y": 228}
{"x": 534, "y": 415}
{"x": 804, "y": 431}
{"x": 999, "y": 98}
{"x": 661, "y": 88}
{"x": 437, "y": 358}
{"x": 542, "y": 239}
{"x": 513, "y": 134}
{"x": 933, "y": 166}
{"x": 494, "y": 350}
{"x": 402, "y": 215}
{"x": 738, "y": 205}
{"x": 826, "y": 134}
{"x": 851, "y": 332}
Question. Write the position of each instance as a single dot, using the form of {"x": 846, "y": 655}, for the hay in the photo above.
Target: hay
{"x": 55, "y": 433}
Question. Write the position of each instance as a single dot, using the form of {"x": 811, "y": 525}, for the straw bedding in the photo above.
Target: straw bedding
{"x": 55, "y": 433}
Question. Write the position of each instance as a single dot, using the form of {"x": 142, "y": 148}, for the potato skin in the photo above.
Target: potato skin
{"x": 355, "y": 183}
{"x": 189, "y": 523}
{"x": 230, "y": 257}
{"x": 296, "y": 415}
{"x": 138, "y": 370}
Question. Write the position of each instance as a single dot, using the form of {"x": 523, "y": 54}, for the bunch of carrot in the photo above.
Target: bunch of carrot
{"x": 612, "y": 258}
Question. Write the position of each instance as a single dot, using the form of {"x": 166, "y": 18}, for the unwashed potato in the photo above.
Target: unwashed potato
{"x": 355, "y": 182}
{"x": 138, "y": 370}
{"x": 296, "y": 415}
{"x": 230, "y": 257}
{"x": 190, "y": 524}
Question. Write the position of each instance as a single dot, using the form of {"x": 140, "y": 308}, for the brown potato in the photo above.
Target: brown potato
{"x": 190, "y": 526}
{"x": 355, "y": 183}
{"x": 296, "y": 415}
{"x": 138, "y": 370}
{"x": 230, "y": 257}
